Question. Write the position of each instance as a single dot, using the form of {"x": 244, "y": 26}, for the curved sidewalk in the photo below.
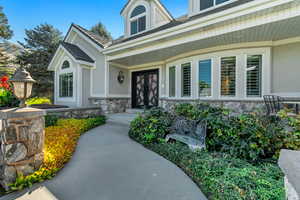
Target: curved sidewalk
{"x": 108, "y": 165}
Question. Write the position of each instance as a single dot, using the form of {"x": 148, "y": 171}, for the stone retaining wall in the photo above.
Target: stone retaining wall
{"x": 22, "y": 141}
{"x": 77, "y": 113}
{"x": 235, "y": 105}
{"x": 112, "y": 105}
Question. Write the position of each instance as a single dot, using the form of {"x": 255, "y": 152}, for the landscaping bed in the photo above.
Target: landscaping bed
{"x": 61, "y": 137}
{"x": 242, "y": 150}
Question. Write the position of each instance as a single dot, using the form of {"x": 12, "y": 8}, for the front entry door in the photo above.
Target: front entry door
{"x": 145, "y": 89}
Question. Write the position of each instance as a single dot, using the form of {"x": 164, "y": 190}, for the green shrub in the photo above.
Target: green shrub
{"x": 151, "y": 126}
{"x": 223, "y": 177}
{"x": 51, "y": 120}
{"x": 38, "y": 100}
{"x": 7, "y": 98}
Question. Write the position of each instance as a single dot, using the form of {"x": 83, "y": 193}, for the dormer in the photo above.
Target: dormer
{"x": 200, "y": 6}
{"x": 143, "y": 15}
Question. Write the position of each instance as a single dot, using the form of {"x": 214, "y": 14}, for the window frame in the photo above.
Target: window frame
{"x": 236, "y": 76}
{"x": 263, "y": 72}
{"x": 212, "y": 60}
{"x": 60, "y": 85}
{"x": 136, "y": 19}
{"x": 213, "y": 7}
{"x": 181, "y": 79}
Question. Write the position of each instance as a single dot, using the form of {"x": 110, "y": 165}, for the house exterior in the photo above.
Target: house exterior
{"x": 226, "y": 52}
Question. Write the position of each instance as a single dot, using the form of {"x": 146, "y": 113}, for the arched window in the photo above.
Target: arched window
{"x": 138, "y": 20}
{"x": 65, "y": 65}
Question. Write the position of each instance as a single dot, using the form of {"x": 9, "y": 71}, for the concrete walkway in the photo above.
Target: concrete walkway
{"x": 108, "y": 165}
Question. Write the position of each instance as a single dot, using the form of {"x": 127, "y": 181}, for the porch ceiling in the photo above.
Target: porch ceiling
{"x": 269, "y": 32}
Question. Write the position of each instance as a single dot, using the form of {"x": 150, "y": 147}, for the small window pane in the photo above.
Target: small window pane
{"x": 65, "y": 65}
{"x": 172, "y": 81}
{"x": 254, "y": 78}
{"x": 134, "y": 27}
{"x": 228, "y": 76}
{"x": 142, "y": 23}
{"x": 204, "y": 4}
{"x": 66, "y": 85}
{"x": 186, "y": 80}
{"x": 137, "y": 11}
{"x": 205, "y": 78}
{"x": 220, "y": 1}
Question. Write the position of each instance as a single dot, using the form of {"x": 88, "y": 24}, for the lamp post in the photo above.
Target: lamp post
{"x": 22, "y": 84}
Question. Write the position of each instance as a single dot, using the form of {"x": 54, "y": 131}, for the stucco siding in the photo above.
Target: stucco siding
{"x": 286, "y": 69}
{"x": 116, "y": 88}
{"x": 97, "y": 75}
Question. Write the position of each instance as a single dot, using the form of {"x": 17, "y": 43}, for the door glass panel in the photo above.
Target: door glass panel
{"x": 152, "y": 90}
{"x": 140, "y": 84}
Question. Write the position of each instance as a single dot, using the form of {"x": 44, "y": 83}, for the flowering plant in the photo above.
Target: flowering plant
{"x": 7, "y": 99}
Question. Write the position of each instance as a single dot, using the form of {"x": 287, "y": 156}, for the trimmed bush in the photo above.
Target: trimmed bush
{"x": 37, "y": 101}
{"x": 60, "y": 144}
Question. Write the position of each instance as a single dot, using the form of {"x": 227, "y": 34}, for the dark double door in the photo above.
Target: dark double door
{"x": 145, "y": 89}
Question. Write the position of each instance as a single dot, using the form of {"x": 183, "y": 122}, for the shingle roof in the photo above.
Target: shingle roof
{"x": 182, "y": 20}
{"x": 76, "y": 52}
{"x": 100, "y": 41}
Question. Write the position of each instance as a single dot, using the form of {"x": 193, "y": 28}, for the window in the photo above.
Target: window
{"x": 205, "y": 4}
{"x": 205, "y": 89}
{"x": 228, "y": 76}
{"x": 186, "y": 79}
{"x": 172, "y": 81}
{"x": 138, "y": 20}
{"x": 254, "y": 75}
{"x": 66, "y": 85}
{"x": 65, "y": 65}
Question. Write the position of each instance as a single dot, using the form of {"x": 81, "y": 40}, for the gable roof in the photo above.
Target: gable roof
{"x": 76, "y": 52}
{"x": 100, "y": 41}
{"x": 158, "y": 1}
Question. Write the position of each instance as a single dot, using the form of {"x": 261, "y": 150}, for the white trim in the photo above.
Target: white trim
{"x": 231, "y": 13}
{"x": 119, "y": 96}
{"x": 197, "y": 5}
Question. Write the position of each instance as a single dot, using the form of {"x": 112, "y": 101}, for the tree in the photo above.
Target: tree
{"x": 5, "y": 33}
{"x": 41, "y": 44}
{"x": 99, "y": 29}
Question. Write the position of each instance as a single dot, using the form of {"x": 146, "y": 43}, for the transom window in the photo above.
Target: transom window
{"x": 65, "y": 65}
{"x": 66, "y": 85}
{"x": 205, "y": 4}
{"x": 138, "y": 20}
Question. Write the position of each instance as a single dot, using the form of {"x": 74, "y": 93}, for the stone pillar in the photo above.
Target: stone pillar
{"x": 22, "y": 140}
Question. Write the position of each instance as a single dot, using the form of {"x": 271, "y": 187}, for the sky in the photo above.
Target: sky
{"x": 27, "y": 14}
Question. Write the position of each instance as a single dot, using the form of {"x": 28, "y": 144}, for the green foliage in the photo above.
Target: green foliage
{"x": 42, "y": 42}
{"x": 7, "y": 99}
{"x": 151, "y": 126}
{"x": 100, "y": 30}
{"x": 38, "y": 100}
{"x": 51, "y": 120}
{"x": 5, "y": 31}
{"x": 223, "y": 177}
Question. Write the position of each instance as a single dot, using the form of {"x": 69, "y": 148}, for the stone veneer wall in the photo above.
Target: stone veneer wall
{"x": 77, "y": 113}
{"x": 112, "y": 105}
{"x": 236, "y": 106}
{"x": 22, "y": 141}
